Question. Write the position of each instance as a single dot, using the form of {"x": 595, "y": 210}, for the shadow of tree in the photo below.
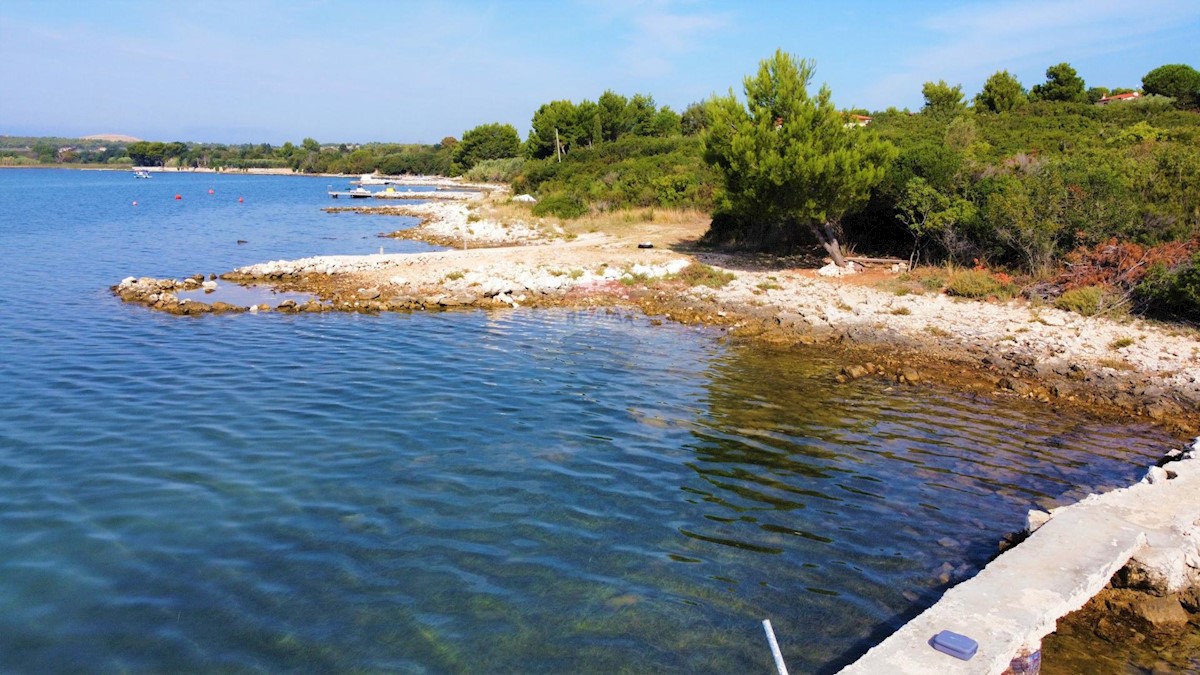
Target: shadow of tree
{"x": 812, "y": 257}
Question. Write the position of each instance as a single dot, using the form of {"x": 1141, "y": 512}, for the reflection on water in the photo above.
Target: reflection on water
{"x": 539, "y": 491}
{"x": 879, "y": 496}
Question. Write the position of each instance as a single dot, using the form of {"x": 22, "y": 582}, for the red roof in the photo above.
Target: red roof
{"x": 1120, "y": 97}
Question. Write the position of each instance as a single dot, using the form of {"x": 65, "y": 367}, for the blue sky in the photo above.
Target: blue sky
{"x": 278, "y": 70}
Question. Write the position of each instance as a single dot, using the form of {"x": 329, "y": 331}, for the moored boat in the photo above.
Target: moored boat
{"x": 356, "y": 193}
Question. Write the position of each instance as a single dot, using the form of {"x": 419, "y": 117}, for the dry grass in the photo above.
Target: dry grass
{"x": 1121, "y": 343}
{"x": 898, "y": 286}
{"x": 1117, "y": 364}
{"x": 639, "y": 222}
{"x": 929, "y": 278}
{"x": 663, "y": 227}
{"x": 917, "y": 281}
{"x": 507, "y": 212}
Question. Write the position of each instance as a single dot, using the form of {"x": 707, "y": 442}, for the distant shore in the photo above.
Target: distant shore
{"x": 170, "y": 170}
{"x": 515, "y": 260}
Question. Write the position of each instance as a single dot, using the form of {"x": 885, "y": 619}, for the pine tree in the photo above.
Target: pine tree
{"x": 788, "y": 158}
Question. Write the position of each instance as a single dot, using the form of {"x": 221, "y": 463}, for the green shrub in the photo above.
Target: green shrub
{"x": 1087, "y": 300}
{"x": 978, "y": 284}
{"x": 699, "y": 274}
{"x": 933, "y": 283}
{"x": 560, "y": 204}
{"x": 495, "y": 170}
{"x": 1173, "y": 291}
{"x": 631, "y": 172}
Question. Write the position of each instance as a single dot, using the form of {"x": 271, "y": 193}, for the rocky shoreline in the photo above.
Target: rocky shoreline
{"x": 1040, "y": 353}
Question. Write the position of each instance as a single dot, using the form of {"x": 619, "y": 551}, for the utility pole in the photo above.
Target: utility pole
{"x": 557, "y": 145}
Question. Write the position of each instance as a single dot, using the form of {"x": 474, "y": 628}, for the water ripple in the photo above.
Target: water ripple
{"x": 457, "y": 492}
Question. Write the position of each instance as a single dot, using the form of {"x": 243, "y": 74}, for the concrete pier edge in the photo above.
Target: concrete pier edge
{"x": 1016, "y": 600}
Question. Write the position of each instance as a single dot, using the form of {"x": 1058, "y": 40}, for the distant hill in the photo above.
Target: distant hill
{"x": 115, "y": 138}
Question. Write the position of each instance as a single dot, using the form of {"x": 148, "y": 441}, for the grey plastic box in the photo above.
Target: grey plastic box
{"x": 954, "y": 644}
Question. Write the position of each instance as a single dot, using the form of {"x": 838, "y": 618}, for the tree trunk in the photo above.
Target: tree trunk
{"x": 826, "y": 234}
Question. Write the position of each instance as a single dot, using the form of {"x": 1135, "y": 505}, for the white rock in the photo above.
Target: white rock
{"x": 1156, "y": 474}
{"x": 1035, "y": 519}
{"x": 677, "y": 266}
{"x": 832, "y": 270}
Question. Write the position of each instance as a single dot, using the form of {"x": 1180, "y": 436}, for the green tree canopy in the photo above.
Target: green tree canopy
{"x": 1094, "y": 94}
{"x": 147, "y": 153}
{"x": 486, "y": 141}
{"x": 694, "y": 119}
{"x": 932, "y": 213}
{"x": 587, "y": 122}
{"x": 787, "y": 158}
{"x": 942, "y": 100}
{"x": 1062, "y": 84}
{"x": 638, "y": 118}
{"x": 612, "y": 114}
{"x": 1180, "y": 82}
{"x": 1001, "y": 93}
{"x": 666, "y": 123}
{"x": 554, "y": 122}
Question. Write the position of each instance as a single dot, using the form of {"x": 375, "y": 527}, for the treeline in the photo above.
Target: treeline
{"x": 307, "y": 157}
{"x": 26, "y": 150}
{"x": 615, "y": 152}
{"x": 1043, "y": 182}
{"x": 1038, "y": 181}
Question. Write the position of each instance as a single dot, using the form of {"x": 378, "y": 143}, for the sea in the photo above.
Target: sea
{"x": 507, "y": 491}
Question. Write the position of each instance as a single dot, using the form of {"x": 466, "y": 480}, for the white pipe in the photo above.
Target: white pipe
{"x": 779, "y": 664}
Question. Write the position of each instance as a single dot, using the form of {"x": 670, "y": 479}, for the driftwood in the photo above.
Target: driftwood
{"x": 877, "y": 261}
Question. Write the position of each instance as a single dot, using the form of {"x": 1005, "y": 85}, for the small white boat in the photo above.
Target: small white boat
{"x": 356, "y": 193}
{"x": 372, "y": 179}
{"x": 141, "y": 173}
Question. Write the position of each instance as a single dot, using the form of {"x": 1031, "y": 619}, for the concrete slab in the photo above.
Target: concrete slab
{"x": 1017, "y": 599}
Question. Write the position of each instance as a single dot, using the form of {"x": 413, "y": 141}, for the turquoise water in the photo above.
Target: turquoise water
{"x": 510, "y": 491}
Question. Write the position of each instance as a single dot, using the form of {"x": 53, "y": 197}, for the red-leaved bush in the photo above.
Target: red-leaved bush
{"x": 1120, "y": 265}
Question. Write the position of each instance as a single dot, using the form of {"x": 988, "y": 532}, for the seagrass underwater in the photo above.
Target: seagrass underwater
{"x": 483, "y": 490}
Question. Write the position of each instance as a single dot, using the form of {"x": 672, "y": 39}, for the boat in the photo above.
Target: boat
{"x": 356, "y": 193}
{"x": 141, "y": 173}
{"x": 371, "y": 179}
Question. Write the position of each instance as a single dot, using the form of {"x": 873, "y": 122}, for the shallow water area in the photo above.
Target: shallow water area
{"x": 1078, "y": 651}
{"x": 469, "y": 491}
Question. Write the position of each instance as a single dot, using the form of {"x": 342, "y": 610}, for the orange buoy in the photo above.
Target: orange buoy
{"x": 240, "y": 200}
{"x": 210, "y": 191}
{"x": 178, "y": 197}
